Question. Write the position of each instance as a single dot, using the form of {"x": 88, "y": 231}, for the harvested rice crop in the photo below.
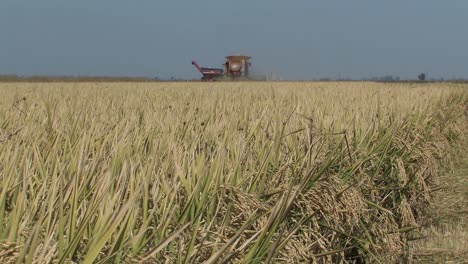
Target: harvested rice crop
{"x": 221, "y": 172}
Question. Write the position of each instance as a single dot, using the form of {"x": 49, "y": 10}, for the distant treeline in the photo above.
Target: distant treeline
{"x": 17, "y": 78}
{"x": 394, "y": 81}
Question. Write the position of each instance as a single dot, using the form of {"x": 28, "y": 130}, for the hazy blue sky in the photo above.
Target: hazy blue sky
{"x": 298, "y": 39}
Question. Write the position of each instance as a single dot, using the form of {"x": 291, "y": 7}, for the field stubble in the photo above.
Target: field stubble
{"x": 222, "y": 172}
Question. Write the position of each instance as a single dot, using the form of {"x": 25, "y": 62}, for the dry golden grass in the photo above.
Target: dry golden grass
{"x": 446, "y": 240}
{"x": 221, "y": 172}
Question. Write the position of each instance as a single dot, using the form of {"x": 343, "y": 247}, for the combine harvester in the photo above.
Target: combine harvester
{"x": 236, "y": 67}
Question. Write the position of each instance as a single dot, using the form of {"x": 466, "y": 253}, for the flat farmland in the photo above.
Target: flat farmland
{"x": 239, "y": 172}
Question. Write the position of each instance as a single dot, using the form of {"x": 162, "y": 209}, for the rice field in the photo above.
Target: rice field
{"x": 223, "y": 172}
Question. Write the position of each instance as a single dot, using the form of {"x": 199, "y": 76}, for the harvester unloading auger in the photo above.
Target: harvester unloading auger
{"x": 209, "y": 74}
{"x": 235, "y": 67}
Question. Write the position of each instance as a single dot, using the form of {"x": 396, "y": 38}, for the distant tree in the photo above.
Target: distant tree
{"x": 422, "y": 77}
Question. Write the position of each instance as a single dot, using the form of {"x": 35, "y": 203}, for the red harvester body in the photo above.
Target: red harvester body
{"x": 236, "y": 67}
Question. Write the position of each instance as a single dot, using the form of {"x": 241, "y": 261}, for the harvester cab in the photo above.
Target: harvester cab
{"x": 237, "y": 66}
